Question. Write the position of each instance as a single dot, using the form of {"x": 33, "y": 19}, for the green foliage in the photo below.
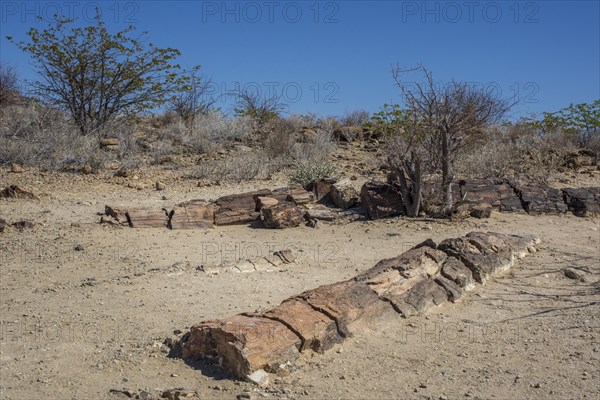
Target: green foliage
{"x": 95, "y": 75}
{"x": 303, "y": 173}
{"x": 389, "y": 122}
{"x": 580, "y": 122}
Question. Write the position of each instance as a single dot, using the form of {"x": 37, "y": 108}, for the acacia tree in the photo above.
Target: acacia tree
{"x": 445, "y": 120}
{"x": 95, "y": 75}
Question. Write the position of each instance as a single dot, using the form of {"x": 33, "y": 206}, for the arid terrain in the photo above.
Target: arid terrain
{"x": 85, "y": 308}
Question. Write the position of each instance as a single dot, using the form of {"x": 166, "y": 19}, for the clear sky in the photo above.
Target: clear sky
{"x": 332, "y": 57}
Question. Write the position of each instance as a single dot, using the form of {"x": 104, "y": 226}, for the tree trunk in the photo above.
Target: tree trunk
{"x": 446, "y": 172}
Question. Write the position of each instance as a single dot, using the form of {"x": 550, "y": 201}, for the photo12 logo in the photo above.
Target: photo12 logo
{"x": 453, "y": 12}
{"x": 48, "y": 11}
{"x": 252, "y": 12}
{"x": 285, "y": 92}
{"x": 515, "y": 92}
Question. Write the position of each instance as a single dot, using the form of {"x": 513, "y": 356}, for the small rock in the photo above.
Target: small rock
{"x": 203, "y": 183}
{"x": 16, "y": 168}
{"x": 87, "y": 169}
{"x": 160, "y": 186}
{"x": 79, "y": 247}
{"x": 573, "y": 273}
{"x": 259, "y": 377}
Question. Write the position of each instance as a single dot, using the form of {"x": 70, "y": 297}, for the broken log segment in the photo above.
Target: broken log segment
{"x": 583, "y": 201}
{"x": 407, "y": 285}
{"x": 281, "y": 215}
{"x": 192, "y": 214}
{"x": 147, "y": 218}
{"x": 381, "y": 200}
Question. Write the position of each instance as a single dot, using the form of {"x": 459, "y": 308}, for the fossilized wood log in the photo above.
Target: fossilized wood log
{"x": 540, "y": 199}
{"x": 583, "y": 201}
{"x": 234, "y": 217}
{"x": 241, "y": 201}
{"x": 381, "y": 200}
{"x": 282, "y": 215}
{"x": 263, "y": 201}
{"x": 322, "y": 189}
{"x": 344, "y": 195}
{"x": 495, "y": 192}
{"x": 146, "y": 218}
{"x": 118, "y": 213}
{"x": 299, "y": 196}
{"x": 321, "y": 214}
{"x": 244, "y": 344}
{"x": 192, "y": 214}
{"x": 410, "y": 284}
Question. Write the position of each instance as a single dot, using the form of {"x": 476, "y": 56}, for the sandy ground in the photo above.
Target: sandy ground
{"x": 76, "y": 324}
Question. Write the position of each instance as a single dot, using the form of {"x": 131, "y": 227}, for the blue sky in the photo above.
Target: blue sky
{"x": 332, "y": 57}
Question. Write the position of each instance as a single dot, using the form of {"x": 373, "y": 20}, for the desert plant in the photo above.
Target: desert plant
{"x": 192, "y": 96}
{"x": 355, "y": 118}
{"x": 96, "y": 76}
{"x": 41, "y": 136}
{"x": 259, "y": 107}
{"x": 305, "y": 172}
{"x": 9, "y": 85}
{"x": 445, "y": 120}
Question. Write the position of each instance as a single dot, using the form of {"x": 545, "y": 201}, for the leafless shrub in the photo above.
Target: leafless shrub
{"x": 208, "y": 132}
{"x": 355, "y": 118}
{"x": 162, "y": 152}
{"x": 9, "y": 86}
{"x": 236, "y": 169}
{"x": 329, "y": 124}
{"x": 516, "y": 150}
{"x": 42, "y": 136}
{"x": 318, "y": 151}
{"x": 299, "y": 121}
{"x": 279, "y": 141}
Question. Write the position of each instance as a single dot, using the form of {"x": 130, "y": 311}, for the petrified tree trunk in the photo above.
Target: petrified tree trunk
{"x": 406, "y": 285}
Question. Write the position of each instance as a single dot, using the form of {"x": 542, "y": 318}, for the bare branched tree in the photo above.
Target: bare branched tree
{"x": 450, "y": 118}
{"x": 9, "y": 86}
{"x": 193, "y": 98}
{"x": 260, "y": 107}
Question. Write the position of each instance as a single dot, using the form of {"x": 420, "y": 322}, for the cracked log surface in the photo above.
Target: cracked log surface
{"x": 403, "y": 286}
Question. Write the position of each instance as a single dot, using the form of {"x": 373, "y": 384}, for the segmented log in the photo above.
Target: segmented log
{"x": 250, "y": 345}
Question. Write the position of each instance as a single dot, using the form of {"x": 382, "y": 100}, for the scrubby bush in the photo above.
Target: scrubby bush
{"x": 355, "y": 118}
{"x": 208, "y": 132}
{"x": 42, "y": 136}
